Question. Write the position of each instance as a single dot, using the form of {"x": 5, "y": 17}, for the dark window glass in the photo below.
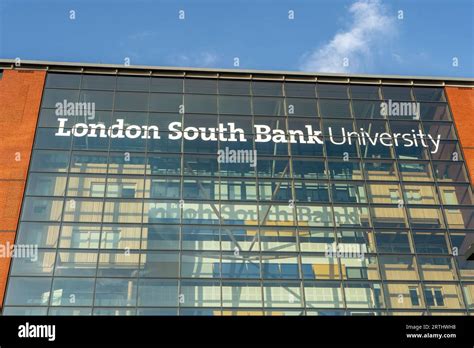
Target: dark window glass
{"x": 164, "y": 144}
{"x": 160, "y": 237}
{"x": 49, "y": 161}
{"x": 98, "y": 82}
{"x": 234, "y": 105}
{"x": 365, "y": 92}
{"x": 392, "y": 242}
{"x": 429, "y": 297}
{"x": 200, "y": 165}
{"x": 326, "y": 90}
{"x": 396, "y": 93}
{"x": 415, "y": 301}
{"x": 53, "y": 96}
{"x": 164, "y": 188}
{"x": 55, "y": 80}
{"x": 165, "y": 164}
{"x": 445, "y": 150}
{"x": 309, "y": 169}
{"x": 345, "y": 149}
{"x": 301, "y": 107}
{"x": 202, "y": 86}
{"x": 166, "y": 84}
{"x": 103, "y": 100}
{"x": 310, "y": 192}
{"x": 410, "y": 171}
{"x": 162, "y": 102}
{"x": 345, "y": 170}
{"x": 348, "y": 193}
{"x": 46, "y": 139}
{"x": 337, "y": 127}
{"x": 268, "y": 106}
{"x": 295, "y": 89}
{"x": 450, "y": 172}
{"x": 334, "y": 108}
{"x": 366, "y": 109}
{"x": 300, "y": 149}
{"x": 200, "y": 104}
{"x": 429, "y": 94}
{"x": 234, "y": 87}
{"x": 430, "y": 242}
{"x": 131, "y": 101}
{"x": 267, "y": 88}
{"x": 445, "y": 130}
{"x": 434, "y": 112}
{"x": 133, "y": 83}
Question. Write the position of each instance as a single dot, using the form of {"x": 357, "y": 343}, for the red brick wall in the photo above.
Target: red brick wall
{"x": 461, "y": 101}
{"x": 20, "y": 98}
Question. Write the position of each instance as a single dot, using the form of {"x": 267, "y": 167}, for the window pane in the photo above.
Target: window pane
{"x": 55, "y": 80}
{"x": 49, "y": 161}
{"x": 234, "y": 87}
{"x": 166, "y": 84}
{"x": 200, "y": 104}
{"x": 430, "y": 242}
{"x": 39, "y": 263}
{"x": 158, "y": 292}
{"x": 323, "y": 295}
{"x": 76, "y": 263}
{"x": 46, "y": 209}
{"x": 268, "y": 106}
{"x": 398, "y": 267}
{"x": 28, "y": 291}
{"x": 116, "y": 292}
{"x": 267, "y": 88}
{"x": 234, "y": 105}
{"x": 429, "y": 94}
{"x": 364, "y": 92}
{"x": 133, "y": 83}
{"x": 44, "y": 235}
{"x": 392, "y": 242}
{"x": 396, "y": 93}
{"x": 334, "y": 108}
{"x": 98, "y": 82}
{"x": 46, "y": 185}
{"x": 102, "y": 100}
{"x": 72, "y": 292}
{"x": 326, "y": 90}
{"x": 241, "y": 294}
{"x": 53, "y": 96}
{"x": 203, "y": 86}
{"x": 295, "y": 89}
{"x": 131, "y": 101}
{"x": 160, "y": 237}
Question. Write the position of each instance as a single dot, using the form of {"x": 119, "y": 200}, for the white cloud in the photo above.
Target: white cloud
{"x": 202, "y": 59}
{"x": 369, "y": 28}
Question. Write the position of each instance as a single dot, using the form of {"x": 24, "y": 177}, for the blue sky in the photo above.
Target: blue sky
{"x": 324, "y": 34}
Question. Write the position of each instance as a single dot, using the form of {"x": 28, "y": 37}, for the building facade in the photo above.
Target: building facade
{"x": 168, "y": 191}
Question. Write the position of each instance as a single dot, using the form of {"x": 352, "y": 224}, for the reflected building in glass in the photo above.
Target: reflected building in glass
{"x": 147, "y": 226}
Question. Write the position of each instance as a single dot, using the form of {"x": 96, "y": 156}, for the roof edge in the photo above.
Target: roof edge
{"x": 47, "y": 64}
